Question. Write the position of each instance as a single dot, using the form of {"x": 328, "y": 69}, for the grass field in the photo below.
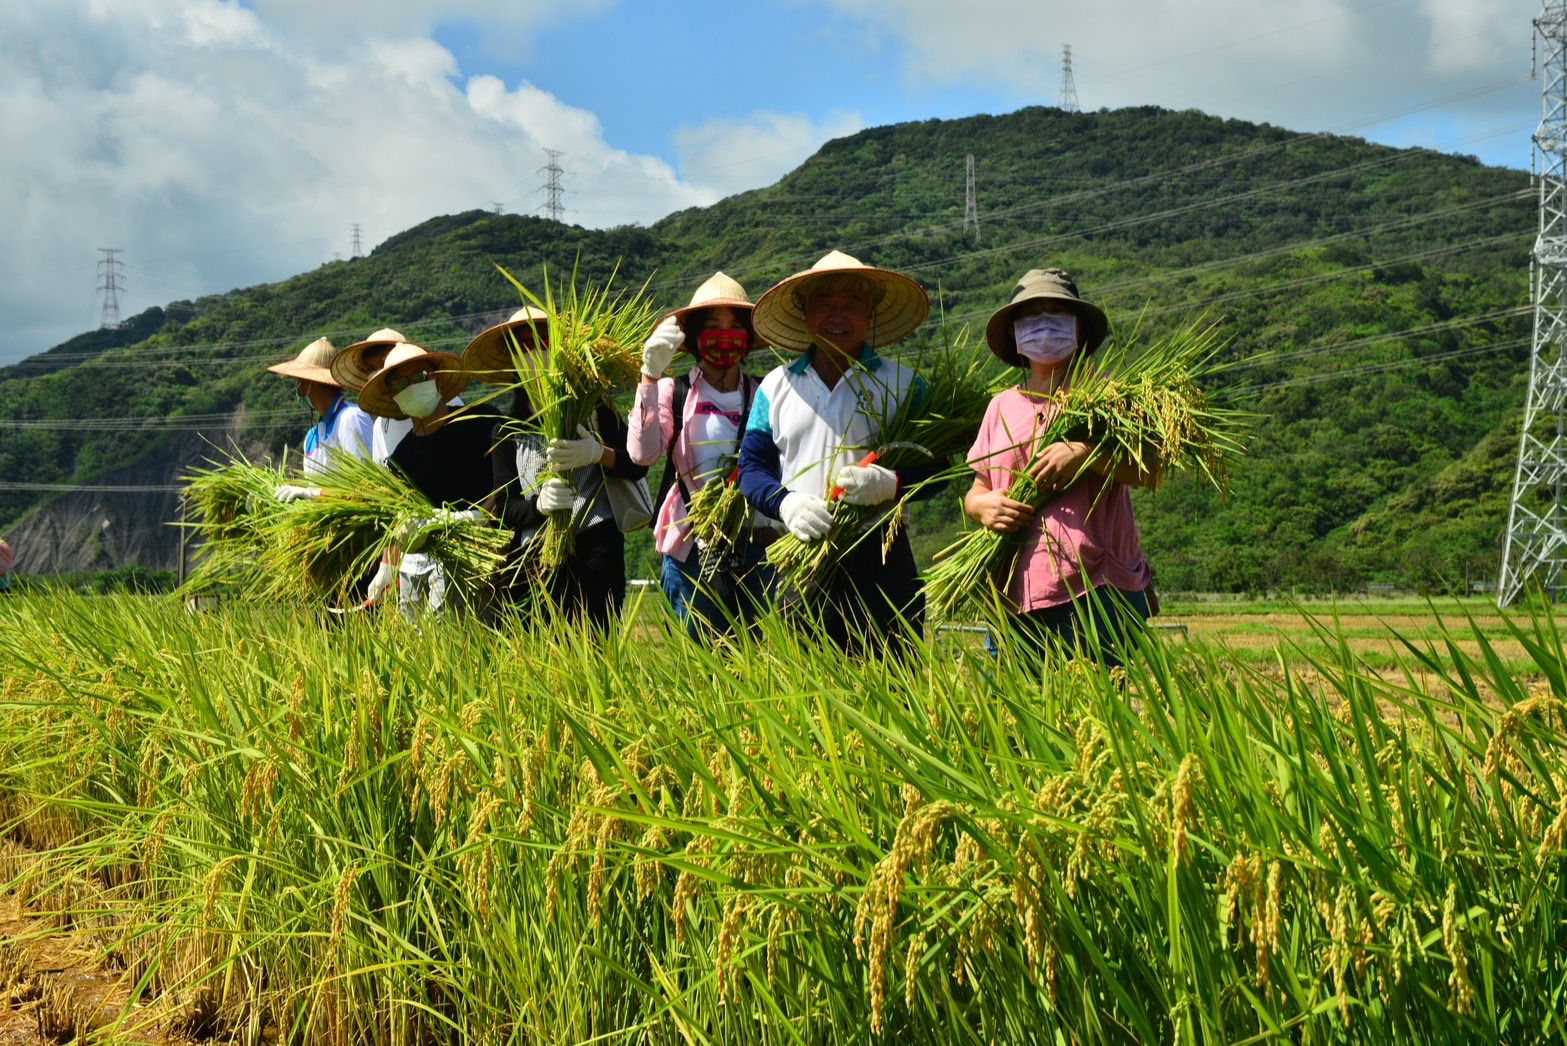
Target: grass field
{"x": 1280, "y": 825}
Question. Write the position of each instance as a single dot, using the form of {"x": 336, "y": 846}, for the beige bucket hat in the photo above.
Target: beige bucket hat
{"x": 352, "y": 366}
{"x": 314, "y": 363}
{"x": 490, "y": 351}
{"x": 718, "y": 290}
{"x": 901, "y": 305}
{"x": 1044, "y": 285}
{"x": 375, "y": 398}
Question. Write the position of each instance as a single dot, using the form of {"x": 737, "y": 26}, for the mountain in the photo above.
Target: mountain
{"x": 1375, "y": 301}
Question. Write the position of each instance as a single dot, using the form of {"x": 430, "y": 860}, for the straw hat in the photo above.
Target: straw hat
{"x": 314, "y": 363}
{"x": 490, "y": 351}
{"x": 900, "y": 305}
{"x": 717, "y": 290}
{"x": 349, "y": 367}
{"x": 375, "y": 398}
{"x": 1044, "y": 285}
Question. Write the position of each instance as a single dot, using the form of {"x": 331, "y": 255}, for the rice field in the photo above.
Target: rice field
{"x": 259, "y": 825}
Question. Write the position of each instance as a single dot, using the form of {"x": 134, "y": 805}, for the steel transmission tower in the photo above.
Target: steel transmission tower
{"x": 971, "y": 203}
{"x": 552, "y": 208}
{"x": 1535, "y": 547}
{"x": 111, "y": 282}
{"x": 357, "y": 251}
{"x": 1067, "y": 98}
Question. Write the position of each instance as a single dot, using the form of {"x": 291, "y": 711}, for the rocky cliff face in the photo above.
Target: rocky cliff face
{"x": 127, "y": 517}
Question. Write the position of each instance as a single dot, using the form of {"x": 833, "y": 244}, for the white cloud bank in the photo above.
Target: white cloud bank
{"x": 222, "y": 146}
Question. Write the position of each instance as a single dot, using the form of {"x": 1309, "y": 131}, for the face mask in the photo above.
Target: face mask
{"x": 1048, "y": 337}
{"x": 420, "y": 399}
{"x": 722, "y": 348}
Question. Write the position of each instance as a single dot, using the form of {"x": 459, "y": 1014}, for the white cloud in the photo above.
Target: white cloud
{"x": 730, "y": 155}
{"x": 217, "y": 150}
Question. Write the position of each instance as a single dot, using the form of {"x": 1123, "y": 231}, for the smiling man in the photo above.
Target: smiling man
{"x": 811, "y": 425}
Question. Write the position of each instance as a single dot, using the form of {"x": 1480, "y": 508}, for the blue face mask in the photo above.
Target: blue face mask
{"x": 1048, "y": 337}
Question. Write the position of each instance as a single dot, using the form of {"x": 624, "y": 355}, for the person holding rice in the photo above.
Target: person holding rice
{"x": 342, "y": 428}
{"x": 694, "y": 421}
{"x": 443, "y": 453}
{"x": 1081, "y": 566}
{"x": 591, "y": 583}
{"x": 814, "y": 428}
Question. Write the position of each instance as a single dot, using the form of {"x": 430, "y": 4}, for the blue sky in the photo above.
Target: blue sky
{"x": 222, "y": 144}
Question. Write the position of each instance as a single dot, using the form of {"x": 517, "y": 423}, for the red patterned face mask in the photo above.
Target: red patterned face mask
{"x": 722, "y": 348}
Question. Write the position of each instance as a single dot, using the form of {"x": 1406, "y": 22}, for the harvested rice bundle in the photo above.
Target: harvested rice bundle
{"x": 595, "y": 339}
{"x": 1146, "y": 408}
{"x": 322, "y": 547}
{"x": 925, "y": 430}
{"x": 231, "y": 501}
{"x": 720, "y": 518}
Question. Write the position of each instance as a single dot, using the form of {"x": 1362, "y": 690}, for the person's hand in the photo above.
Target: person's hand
{"x": 563, "y": 455}
{"x": 556, "y": 495}
{"x": 866, "y": 484}
{"x": 993, "y": 510}
{"x": 660, "y": 348}
{"x": 384, "y": 576}
{"x": 411, "y": 533}
{"x": 807, "y": 516}
{"x": 288, "y": 492}
{"x": 467, "y": 515}
{"x": 1057, "y": 465}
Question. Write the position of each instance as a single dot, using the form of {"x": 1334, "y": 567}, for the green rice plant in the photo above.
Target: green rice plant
{"x": 381, "y": 834}
{"x": 720, "y": 518}
{"x": 924, "y": 430}
{"x": 231, "y": 502}
{"x": 595, "y": 337}
{"x": 1142, "y": 406}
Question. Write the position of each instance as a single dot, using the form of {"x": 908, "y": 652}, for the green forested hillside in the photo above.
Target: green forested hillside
{"x": 1375, "y": 300}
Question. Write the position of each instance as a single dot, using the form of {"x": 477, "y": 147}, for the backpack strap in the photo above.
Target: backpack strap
{"x": 682, "y": 389}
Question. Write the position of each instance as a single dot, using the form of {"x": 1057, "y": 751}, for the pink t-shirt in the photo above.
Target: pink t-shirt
{"x": 1071, "y": 535}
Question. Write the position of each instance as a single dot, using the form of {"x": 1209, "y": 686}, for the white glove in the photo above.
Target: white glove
{"x": 410, "y": 533}
{"x": 866, "y": 484}
{"x": 807, "y": 516}
{"x": 556, "y": 495}
{"x": 384, "y": 576}
{"x": 289, "y": 492}
{"x": 563, "y": 455}
{"x": 467, "y": 515}
{"x": 660, "y": 348}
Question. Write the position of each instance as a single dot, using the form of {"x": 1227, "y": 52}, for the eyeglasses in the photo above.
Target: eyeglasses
{"x": 398, "y": 382}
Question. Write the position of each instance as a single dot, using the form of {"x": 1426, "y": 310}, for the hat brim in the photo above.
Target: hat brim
{"x": 489, "y": 353}
{"x": 348, "y": 366}
{"x": 679, "y": 316}
{"x": 998, "y": 332}
{"x": 296, "y": 369}
{"x": 450, "y": 378}
{"x": 779, "y": 318}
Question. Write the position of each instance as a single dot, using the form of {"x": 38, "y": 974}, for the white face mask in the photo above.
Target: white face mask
{"x": 420, "y": 399}
{"x": 1048, "y": 337}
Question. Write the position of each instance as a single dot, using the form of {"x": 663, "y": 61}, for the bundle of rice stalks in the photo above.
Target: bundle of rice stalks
{"x": 595, "y": 339}
{"x": 230, "y": 501}
{"x": 323, "y": 547}
{"x": 719, "y": 516}
{"x": 925, "y": 430}
{"x": 1145, "y": 408}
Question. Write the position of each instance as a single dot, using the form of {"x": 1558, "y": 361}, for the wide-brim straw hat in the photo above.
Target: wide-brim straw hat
{"x": 1044, "y": 285}
{"x": 314, "y": 363}
{"x": 717, "y": 291}
{"x": 375, "y": 398}
{"x": 901, "y": 305}
{"x": 490, "y": 351}
{"x": 349, "y": 367}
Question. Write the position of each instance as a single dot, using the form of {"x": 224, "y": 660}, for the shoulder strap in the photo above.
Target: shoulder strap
{"x": 682, "y": 388}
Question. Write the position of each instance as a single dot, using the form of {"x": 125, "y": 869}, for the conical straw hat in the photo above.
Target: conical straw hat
{"x": 375, "y": 398}
{"x": 901, "y": 305}
{"x": 314, "y": 363}
{"x": 489, "y": 352}
{"x": 716, "y": 291}
{"x": 352, "y": 369}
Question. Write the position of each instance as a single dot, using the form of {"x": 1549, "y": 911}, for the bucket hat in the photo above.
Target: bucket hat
{"x": 351, "y": 369}
{"x": 716, "y": 291}
{"x": 490, "y": 351}
{"x": 900, "y": 304}
{"x": 314, "y": 363}
{"x": 450, "y": 378}
{"x": 1044, "y": 285}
